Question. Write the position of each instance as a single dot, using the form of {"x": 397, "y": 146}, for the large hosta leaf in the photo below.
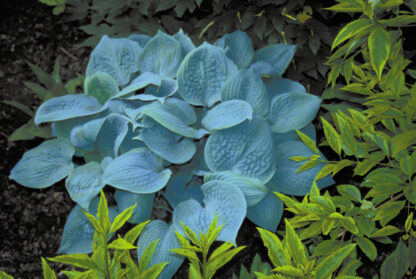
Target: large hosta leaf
{"x": 138, "y": 171}
{"x": 273, "y": 60}
{"x": 248, "y": 86}
{"x": 274, "y": 208}
{"x": 180, "y": 189}
{"x": 227, "y": 114}
{"x": 166, "y": 144}
{"x": 158, "y": 229}
{"x": 78, "y": 232}
{"x": 293, "y": 111}
{"x": 175, "y": 115}
{"x": 238, "y": 47}
{"x": 167, "y": 88}
{"x": 44, "y": 165}
{"x": 286, "y": 180}
{"x": 83, "y": 136}
{"x": 67, "y": 107}
{"x": 186, "y": 43}
{"x": 140, "y": 82}
{"x": 279, "y": 138}
{"x": 246, "y": 149}
{"x": 202, "y": 74}
{"x": 141, "y": 39}
{"x": 220, "y": 198}
{"x": 144, "y": 205}
{"x": 277, "y": 86}
{"x": 101, "y": 86}
{"x": 116, "y": 57}
{"x": 84, "y": 183}
{"x": 254, "y": 191}
{"x": 161, "y": 55}
{"x": 111, "y": 135}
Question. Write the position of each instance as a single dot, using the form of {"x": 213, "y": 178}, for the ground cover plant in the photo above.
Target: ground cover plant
{"x": 199, "y": 120}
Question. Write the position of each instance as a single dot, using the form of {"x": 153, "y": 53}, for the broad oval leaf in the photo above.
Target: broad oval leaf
{"x": 145, "y": 79}
{"x": 247, "y": 86}
{"x": 180, "y": 189}
{"x": 101, "y": 86}
{"x": 186, "y": 43}
{"x": 167, "y": 88}
{"x": 271, "y": 204}
{"x": 116, "y": 57}
{"x": 112, "y": 133}
{"x": 254, "y": 191}
{"x": 227, "y": 114}
{"x": 238, "y": 47}
{"x": 67, "y": 107}
{"x": 84, "y": 183}
{"x": 286, "y": 179}
{"x": 138, "y": 171}
{"x": 379, "y": 47}
{"x": 168, "y": 241}
{"x": 202, "y": 74}
{"x": 246, "y": 149}
{"x": 161, "y": 55}
{"x": 144, "y": 205}
{"x": 165, "y": 143}
{"x": 141, "y": 39}
{"x": 273, "y": 60}
{"x": 84, "y": 136}
{"x": 44, "y": 165}
{"x": 293, "y": 111}
{"x": 278, "y": 86}
{"x": 78, "y": 234}
{"x": 175, "y": 115}
{"x": 220, "y": 198}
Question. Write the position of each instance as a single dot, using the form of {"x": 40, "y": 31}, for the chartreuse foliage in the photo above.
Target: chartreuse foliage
{"x": 108, "y": 260}
{"x": 200, "y": 265}
{"x": 256, "y": 266}
{"x": 291, "y": 258}
{"x": 59, "y": 5}
{"x": 214, "y": 124}
{"x": 376, "y": 137}
{"x": 52, "y": 86}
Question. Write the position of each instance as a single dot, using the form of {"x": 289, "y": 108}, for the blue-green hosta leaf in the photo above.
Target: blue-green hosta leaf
{"x": 83, "y": 136}
{"x": 246, "y": 149}
{"x": 138, "y": 171}
{"x": 141, "y": 39}
{"x": 144, "y": 205}
{"x": 161, "y": 55}
{"x": 274, "y": 208}
{"x": 44, "y": 165}
{"x": 293, "y": 111}
{"x": 124, "y": 107}
{"x": 116, "y": 57}
{"x": 286, "y": 179}
{"x": 165, "y": 143}
{"x": 180, "y": 189}
{"x": 129, "y": 142}
{"x": 254, "y": 191}
{"x": 227, "y": 114}
{"x": 140, "y": 82}
{"x": 202, "y": 74}
{"x": 238, "y": 47}
{"x": 248, "y": 86}
{"x": 66, "y": 107}
{"x": 279, "y": 138}
{"x": 273, "y": 60}
{"x": 167, "y": 88}
{"x": 101, "y": 86}
{"x": 278, "y": 86}
{"x": 220, "y": 198}
{"x": 78, "y": 234}
{"x": 186, "y": 43}
{"x": 111, "y": 135}
{"x": 170, "y": 116}
{"x": 84, "y": 183}
{"x": 168, "y": 241}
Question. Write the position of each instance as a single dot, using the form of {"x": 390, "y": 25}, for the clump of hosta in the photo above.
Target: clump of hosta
{"x": 212, "y": 126}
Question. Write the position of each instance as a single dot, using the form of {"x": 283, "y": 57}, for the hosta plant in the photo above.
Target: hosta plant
{"x": 212, "y": 127}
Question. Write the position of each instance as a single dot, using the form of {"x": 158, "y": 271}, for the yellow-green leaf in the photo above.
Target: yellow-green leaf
{"x": 48, "y": 273}
{"x": 349, "y": 224}
{"x": 385, "y": 231}
{"x": 274, "y": 247}
{"x": 121, "y": 219}
{"x": 78, "y": 260}
{"x": 121, "y": 244}
{"x": 331, "y": 135}
{"x": 332, "y": 262}
{"x": 295, "y": 245}
{"x": 308, "y": 142}
{"x": 350, "y": 30}
{"x": 402, "y": 141}
{"x": 408, "y": 223}
{"x": 388, "y": 211}
{"x": 379, "y": 46}
{"x": 367, "y": 246}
